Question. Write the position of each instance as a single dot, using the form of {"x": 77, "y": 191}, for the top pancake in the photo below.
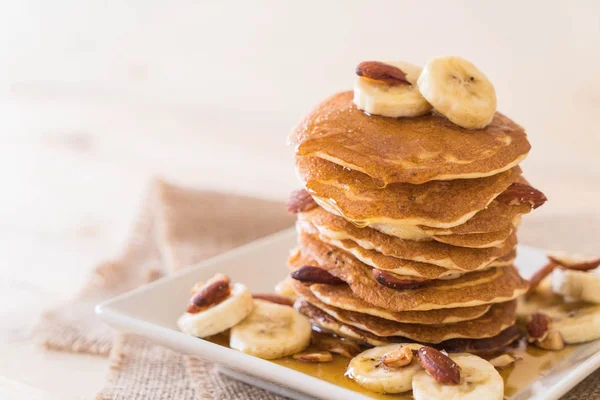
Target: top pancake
{"x": 413, "y": 150}
{"x": 440, "y": 204}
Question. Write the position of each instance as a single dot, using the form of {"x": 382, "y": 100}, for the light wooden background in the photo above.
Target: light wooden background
{"x": 99, "y": 96}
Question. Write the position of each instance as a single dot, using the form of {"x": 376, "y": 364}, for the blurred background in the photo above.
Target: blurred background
{"x": 98, "y": 97}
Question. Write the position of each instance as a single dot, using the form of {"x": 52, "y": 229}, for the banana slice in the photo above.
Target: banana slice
{"x": 478, "y": 380}
{"x": 459, "y": 91}
{"x": 219, "y": 317}
{"x": 368, "y": 370}
{"x": 271, "y": 331}
{"x": 380, "y": 98}
{"x": 575, "y": 326}
{"x": 576, "y": 285}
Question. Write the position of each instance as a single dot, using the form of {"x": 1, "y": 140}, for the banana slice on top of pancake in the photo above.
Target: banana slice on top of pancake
{"x": 389, "y": 89}
{"x": 459, "y": 91}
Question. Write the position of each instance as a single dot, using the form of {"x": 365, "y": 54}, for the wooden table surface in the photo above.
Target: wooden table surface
{"x": 98, "y": 98}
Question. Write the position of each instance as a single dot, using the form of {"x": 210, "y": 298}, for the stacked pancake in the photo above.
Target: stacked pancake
{"x": 407, "y": 226}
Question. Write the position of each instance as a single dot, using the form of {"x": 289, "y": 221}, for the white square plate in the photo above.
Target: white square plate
{"x": 152, "y": 311}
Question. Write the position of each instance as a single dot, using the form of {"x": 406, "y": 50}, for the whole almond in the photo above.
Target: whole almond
{"x": 310, "y": 274}
{"x": 382, "y": 72}
{"x": 521, "y": 193}
{"x": 441, "y": 367}
{"x": 394, "y": 282}
{"x": 214, "y": 291}
{"x": 538, "y": 326}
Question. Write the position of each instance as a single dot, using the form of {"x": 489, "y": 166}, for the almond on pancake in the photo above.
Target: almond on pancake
{"x": 494, "y": 285}
{"x": 341, "y": 297}
{"x": 333, "y": 229}
{"x": 356, "y": 197}
{"x": 413, "y": 150}
{"x": 326, "y": 322}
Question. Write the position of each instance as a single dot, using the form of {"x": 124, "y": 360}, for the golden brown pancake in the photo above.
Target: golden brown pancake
{"x": 476, "y": 240}
{"x": 497, "y": 216}
{"x": 499, "y": 317}
{"x": 323, "y": 321}
{"x": 371, "y": 258}
{"x": 440, "y": 204}
{"x": 413, "y": 150}
{"x": 398, "y": 266}
{"x": 404, "y": 268}
{"x": 340, "y": 296}
{"x": 333, "y": 229}
{"x": 495, "y": 285}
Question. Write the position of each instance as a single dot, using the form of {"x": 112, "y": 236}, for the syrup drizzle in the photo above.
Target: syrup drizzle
{"x": 534, "y": 363}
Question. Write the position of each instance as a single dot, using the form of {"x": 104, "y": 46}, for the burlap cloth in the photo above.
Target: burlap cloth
{"x": 178, "y": 227}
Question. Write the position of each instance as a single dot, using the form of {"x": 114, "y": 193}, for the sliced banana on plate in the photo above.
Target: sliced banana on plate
{"x": 459, "y": 91}
{"x": 271, "y": 331}
{"x": 576, "y": 285}
{"x": 389, "y": 89}
{"x": 478, "y": 380}
{"x": 219, "y": 317}
{"x": 578, "y": 325}
{"x": 369, "y": 370}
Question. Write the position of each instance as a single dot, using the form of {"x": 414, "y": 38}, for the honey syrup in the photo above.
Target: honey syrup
{"x": 533, "y": 364}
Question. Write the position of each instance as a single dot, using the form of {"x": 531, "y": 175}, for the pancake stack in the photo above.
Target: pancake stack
{"x": 407, "y": 227}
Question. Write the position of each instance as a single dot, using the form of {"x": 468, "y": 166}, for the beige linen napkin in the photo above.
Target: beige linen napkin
{"x": 178, "y": 227}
